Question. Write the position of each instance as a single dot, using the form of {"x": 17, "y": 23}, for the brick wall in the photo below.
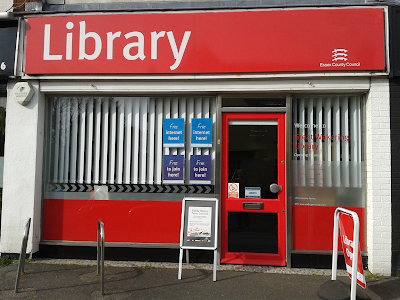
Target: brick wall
{"x": 395, "y": 144}
{"x": 378, "y": 157}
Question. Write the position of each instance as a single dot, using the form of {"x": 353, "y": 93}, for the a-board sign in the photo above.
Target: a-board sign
{"x": 346, "y": 229}
{"x": 199, "y": 223}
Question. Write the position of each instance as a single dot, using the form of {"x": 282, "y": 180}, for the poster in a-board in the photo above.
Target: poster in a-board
{"x": 199, "y": 227}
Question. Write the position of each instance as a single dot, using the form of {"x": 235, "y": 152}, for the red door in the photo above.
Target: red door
{"x": 253, "y": 189}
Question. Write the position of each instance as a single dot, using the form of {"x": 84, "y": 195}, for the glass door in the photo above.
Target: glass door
{"x": 253, "y": 189}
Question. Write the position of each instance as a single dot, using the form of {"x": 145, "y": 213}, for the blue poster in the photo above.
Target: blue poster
{"x": 200, "y": 169}
{"x": 174, "y": 133}
{"x": 201, "y": 136}
{"x": 173, "y": 169}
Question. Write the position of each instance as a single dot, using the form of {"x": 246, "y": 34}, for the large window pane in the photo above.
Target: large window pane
{"x": 118, "y": 141}
{"x": 327, "y": 159}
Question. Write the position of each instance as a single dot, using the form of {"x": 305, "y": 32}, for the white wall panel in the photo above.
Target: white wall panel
{"x": 378, "y": 210}
{"x": 23, "y": 171}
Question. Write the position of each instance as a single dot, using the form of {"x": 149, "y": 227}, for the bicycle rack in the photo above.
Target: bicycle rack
{"x": 21, "y": 264}
{"x": 100, "y": 254}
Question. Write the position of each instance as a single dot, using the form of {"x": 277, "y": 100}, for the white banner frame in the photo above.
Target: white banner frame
{"x": 214, "y": 235}
{"x": 356, "y": 246}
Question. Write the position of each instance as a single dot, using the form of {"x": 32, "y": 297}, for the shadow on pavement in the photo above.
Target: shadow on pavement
{"x": 387, "y": 289}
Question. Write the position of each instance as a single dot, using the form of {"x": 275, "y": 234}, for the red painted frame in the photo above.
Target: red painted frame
{"x": 270, "y": 205}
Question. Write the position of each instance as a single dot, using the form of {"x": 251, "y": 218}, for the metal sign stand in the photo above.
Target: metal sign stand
{"x": 187, "y": 242}
{"x": 22, "y": 256}
{"x": 100, "y": 254}
{"x": 214, "y": 264}
{"x": 355, "y": 248}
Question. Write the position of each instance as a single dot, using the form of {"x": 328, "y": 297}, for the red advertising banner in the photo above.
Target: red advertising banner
{"x": 346, "y": 229}
{"x": 317, "y": 40}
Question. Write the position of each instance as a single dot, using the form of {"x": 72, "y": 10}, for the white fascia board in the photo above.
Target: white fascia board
{"x": 96, "y": 86}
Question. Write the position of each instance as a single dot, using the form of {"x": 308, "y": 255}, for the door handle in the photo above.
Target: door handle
{"x": 274, "y": 188}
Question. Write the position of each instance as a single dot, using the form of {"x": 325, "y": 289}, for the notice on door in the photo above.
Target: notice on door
{"x": 233, "y": 190}
{"x": 252, "y": 192}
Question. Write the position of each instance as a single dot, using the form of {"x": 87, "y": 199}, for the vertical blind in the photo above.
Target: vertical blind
{"x": 118, "y": 140}
{"x": 327, "y": 141}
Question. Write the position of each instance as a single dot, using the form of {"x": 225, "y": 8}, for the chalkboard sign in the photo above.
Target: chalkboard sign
{"x": 199, "y": 227}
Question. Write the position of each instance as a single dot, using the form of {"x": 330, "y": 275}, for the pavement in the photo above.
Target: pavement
{"x": 78, "y": 279}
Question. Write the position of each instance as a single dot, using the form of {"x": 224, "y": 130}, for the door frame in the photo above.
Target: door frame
{"x": 254, "y": 258}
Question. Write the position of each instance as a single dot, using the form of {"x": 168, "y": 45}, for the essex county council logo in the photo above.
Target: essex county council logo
{"x": 339, "y": 59}
{"x": 339, "y": 55}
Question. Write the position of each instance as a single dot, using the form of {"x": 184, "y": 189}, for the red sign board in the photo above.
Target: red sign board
{"x": 318, "y": 40}
{"x": 346, "y": 230}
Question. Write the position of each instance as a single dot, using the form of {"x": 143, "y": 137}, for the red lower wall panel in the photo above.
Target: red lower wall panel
{"x": 159, "y": 222}
{"x": 313, "y": 227}
{"x": 124, "y": 221}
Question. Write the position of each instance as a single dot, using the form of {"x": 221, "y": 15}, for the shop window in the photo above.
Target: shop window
{"x": 118, "y": 142}
{"x": 327, "y": 166}
{"x": 327, "y": 150}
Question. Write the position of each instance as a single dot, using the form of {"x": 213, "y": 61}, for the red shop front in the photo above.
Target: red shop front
{"x": 282, "y": 113}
